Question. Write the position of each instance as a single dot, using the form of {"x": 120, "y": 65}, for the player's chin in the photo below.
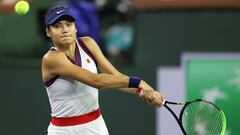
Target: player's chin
{"x": 66, "y": 40}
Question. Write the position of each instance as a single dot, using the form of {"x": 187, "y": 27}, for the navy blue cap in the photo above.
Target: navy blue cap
{"x": 56, "y": 14}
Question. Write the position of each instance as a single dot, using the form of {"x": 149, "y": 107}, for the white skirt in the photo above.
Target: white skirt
{"x": 96, "y": 127}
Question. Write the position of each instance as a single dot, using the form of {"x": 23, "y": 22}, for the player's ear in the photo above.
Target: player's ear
{"x": 47, "y": 31}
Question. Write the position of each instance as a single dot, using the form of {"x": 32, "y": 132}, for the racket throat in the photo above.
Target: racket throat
{"x": 177, "y": 119}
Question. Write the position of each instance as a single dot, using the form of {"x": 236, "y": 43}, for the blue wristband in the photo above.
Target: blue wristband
{"x": 134, "y": 82}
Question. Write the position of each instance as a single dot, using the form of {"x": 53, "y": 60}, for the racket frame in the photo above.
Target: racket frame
{"x": 185, "y": 104}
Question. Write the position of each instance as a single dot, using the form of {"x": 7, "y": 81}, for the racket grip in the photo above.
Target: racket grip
{"x": 139, "y": 92}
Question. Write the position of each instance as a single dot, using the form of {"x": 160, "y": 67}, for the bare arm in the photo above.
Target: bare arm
{"x": 152, "y": 97}
{"x": 105, "y": 66}
{"x": 56, "y": 63}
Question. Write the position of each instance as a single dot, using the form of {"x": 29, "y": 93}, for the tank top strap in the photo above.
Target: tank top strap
{"x": 86, "y": 49}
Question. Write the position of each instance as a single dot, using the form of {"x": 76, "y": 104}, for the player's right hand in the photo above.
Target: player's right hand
{"x": 149, "y": 95}
{"x": 157, "y": 99}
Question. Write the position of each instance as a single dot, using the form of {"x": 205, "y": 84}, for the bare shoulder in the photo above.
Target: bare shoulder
{"x": 52, "y": 57}
{"x": 90, "y": 43}
{"x": 87, "y": 39}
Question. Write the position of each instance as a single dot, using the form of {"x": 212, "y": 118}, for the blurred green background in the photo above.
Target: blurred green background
{"x": 160, "y": 39}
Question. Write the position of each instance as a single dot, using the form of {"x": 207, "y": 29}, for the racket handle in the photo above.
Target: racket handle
{"x": 139, "y": 92}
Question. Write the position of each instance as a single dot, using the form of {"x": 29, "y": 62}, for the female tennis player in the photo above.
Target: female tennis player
{"x": 69, "y": 72}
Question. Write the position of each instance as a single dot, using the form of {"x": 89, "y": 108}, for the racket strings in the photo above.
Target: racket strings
{"x": 202, "y": 118}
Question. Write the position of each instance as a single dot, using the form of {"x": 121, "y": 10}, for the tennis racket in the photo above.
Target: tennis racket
{"x": 199, "y": 117}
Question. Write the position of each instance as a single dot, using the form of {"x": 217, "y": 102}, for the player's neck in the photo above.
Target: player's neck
{"x": 68, "y": 50}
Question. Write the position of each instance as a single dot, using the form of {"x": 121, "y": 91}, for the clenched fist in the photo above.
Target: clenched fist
{"x": 151, "y": 97}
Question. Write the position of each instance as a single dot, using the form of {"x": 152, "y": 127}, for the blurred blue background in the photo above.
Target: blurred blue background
{"x": 157, "y": 37}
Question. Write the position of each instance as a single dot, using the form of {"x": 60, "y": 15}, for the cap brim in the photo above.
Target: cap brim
{"x": 53, "y": 20}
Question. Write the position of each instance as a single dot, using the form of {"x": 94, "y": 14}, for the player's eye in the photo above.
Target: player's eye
{"x": 69, "y": 24}
{"x": 57, "y": 25}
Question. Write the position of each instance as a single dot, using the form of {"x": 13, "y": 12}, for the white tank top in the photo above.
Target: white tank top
{"x": 69, "y": 97}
